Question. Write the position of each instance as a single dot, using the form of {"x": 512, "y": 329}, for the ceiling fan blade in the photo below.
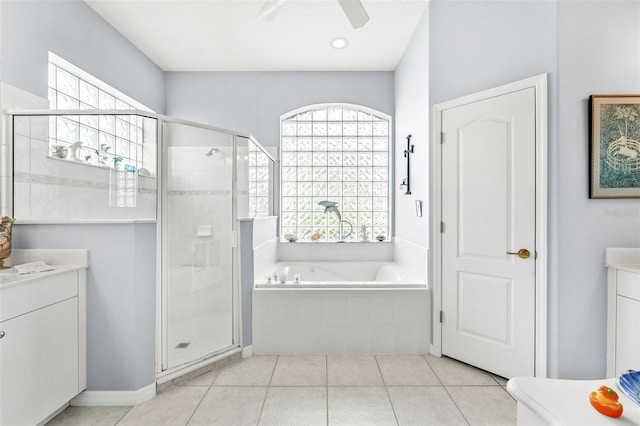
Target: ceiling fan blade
{"x": 269, "y": 9}
{"x": 355, "y": 12}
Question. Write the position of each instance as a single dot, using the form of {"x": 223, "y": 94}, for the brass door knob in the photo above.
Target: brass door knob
{"x": 522, "y": 253}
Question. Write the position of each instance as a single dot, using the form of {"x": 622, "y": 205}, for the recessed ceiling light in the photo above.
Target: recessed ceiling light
{"x": 339, "y": 43}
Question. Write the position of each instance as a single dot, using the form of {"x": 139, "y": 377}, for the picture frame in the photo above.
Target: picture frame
{"x": 614, "y": 146}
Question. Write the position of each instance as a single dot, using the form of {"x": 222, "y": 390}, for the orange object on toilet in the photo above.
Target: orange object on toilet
{"x": 605, "y": 401}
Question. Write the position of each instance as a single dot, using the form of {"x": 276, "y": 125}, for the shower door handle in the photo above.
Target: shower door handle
{"x": 522, "y": 253}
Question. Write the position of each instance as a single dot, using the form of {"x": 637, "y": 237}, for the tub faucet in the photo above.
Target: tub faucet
{"x": 332, "y": 206}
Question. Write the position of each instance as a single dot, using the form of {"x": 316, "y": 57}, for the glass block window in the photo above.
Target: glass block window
{"x": 104, "y": 140}
{"x": 340, "y": 154}
{"x": 260, "y": 181}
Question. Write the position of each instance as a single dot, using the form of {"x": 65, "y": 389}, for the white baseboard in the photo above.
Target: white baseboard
{"x": 247, "y": 351}
{"x": 114, "y": 398}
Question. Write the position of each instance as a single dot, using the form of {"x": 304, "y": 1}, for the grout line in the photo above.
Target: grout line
{"x": 384, "y": 383}
{"x": 273, "y": 372}
{"x": 432, "y": 370}
{"x": 456, "y": 404}
{"x": 123, "y": 416}
{"x": 326, "y": 373}
{"x": 446, "y": 390}
{"x": 266, "y": 394}
{"x": 198, "y": 406}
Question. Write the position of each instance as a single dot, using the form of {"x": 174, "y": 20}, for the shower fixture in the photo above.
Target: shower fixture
{"x": 212, "y": 151}
{"x": 406, "y": 182}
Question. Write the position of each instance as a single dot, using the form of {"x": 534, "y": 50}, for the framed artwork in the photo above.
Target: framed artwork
{"x": 615, "y": 146}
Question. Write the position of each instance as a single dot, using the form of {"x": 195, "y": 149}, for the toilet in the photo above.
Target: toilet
{"x": 566, "y": 402}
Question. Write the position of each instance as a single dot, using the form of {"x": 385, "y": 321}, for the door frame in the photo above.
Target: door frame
{"x": 539, "y": 83}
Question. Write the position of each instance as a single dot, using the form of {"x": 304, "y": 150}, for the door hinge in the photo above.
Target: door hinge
{"x": 442, "y": 227}
{"x": 441, "y": 137}
{"x": 441, "y": 316}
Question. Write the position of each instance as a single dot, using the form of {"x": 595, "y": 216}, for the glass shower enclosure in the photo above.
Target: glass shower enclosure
{"x": 191, "y": 180}
{"x": 198, "y": 232}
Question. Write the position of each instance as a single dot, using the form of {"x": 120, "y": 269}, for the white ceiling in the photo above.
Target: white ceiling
{"x": 226, "y": 35}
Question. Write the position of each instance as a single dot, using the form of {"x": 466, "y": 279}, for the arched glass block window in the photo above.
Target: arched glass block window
{"x": 334, "y": 172}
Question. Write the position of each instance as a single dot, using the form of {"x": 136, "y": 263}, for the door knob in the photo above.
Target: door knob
{"x": 1, "y": 334}
{"x": 522, "y": 253}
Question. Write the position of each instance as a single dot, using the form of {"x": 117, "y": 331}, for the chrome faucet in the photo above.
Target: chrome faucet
{"x": 332, "y": 206}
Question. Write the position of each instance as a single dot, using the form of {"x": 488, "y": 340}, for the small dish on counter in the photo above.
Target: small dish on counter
{"x": 630, "y": 385}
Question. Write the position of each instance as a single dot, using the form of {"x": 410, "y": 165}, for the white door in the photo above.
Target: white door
{"x": 488, "y": 212}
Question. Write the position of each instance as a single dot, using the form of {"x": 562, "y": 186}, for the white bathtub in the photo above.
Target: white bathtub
{"x": 358, "y": 274}
{"x": 341, "y": 307}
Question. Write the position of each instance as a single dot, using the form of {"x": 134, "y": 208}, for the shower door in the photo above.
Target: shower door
{"x": 198, "y": 291}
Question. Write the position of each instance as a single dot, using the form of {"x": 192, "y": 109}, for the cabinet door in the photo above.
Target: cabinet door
{"x": 39, "y": 363}
{"x": 627, "y": 335}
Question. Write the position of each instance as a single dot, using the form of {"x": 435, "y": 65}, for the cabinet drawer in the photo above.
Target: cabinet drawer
{"x": 31, "y": 295}
{"x": 628, "y": 284}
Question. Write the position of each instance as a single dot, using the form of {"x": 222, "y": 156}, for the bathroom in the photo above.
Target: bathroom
{"x": 450, "y": 54}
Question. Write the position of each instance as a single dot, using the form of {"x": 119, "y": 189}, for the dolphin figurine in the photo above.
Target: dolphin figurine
{"x": 331, "y": 206}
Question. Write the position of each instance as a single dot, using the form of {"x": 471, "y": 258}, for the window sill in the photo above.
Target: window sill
{"x": 97, "y": 166}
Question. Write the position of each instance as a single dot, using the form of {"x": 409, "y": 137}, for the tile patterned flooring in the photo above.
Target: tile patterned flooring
{"x": 354, "y": 390}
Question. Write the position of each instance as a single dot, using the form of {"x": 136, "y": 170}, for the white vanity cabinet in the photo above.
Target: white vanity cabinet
{"x": 623, "y": 310}
{"x": 42, "y": 344}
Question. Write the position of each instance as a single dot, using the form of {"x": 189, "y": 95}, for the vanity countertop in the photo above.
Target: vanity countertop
{"x": 64, "y": 260}
{"x": 624, "y": 259}
{"x": 9, "y": 279}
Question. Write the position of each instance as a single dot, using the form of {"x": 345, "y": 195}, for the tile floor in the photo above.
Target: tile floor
{"x": 354, "y": 390}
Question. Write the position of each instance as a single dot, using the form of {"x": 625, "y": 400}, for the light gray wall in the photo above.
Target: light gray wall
{"x": 477, "y": 45}
{"x": 247, "y": 279}
{"x": 73, "y": 31}
{"x": 412, "y": 117}
{"x": 253, "y": 233}
{"x": 121, "y": 294}
{"x": 252, "y": 102}
{"x": 121, "y": 278}
{"x": 598, "y": 53}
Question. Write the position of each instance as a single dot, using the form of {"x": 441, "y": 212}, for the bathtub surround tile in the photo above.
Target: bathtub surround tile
{"x": 353, "y": 370}
{"x": 94, "y": 416}
{"x": 360, "y": 406}
{"x": 294, "y": 406}
{"x": 452, "y": 372}
{"x": 304, "y": 321}
{"x": 253, "y": 371}
{"x": 230, "y": 406}
{"x": 484, "y": 405}
{"x": 300, "y": 370}
{"x": 424, "y": 405}
{"x": 399, "y": 370}
{"x": 173, "y": 407}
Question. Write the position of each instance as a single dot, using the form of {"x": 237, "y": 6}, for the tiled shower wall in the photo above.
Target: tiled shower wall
{"x": 200, "y": 229}
{"x": 47, "y": 188}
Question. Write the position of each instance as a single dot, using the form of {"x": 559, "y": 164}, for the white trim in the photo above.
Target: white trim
{"x": 114, "y": 398}
{"x": 84, "y": 222}
{"x": 247, "y": 351}
{"x": 539, "y": 83}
